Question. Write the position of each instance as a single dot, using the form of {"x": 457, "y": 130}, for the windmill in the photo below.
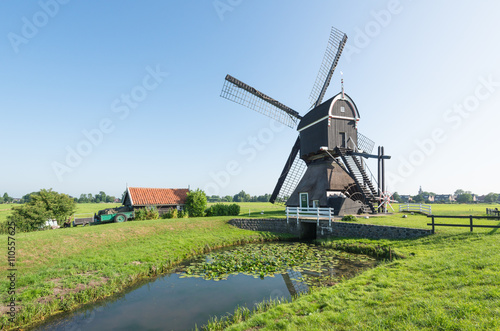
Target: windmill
{"x": 325, "y": 167}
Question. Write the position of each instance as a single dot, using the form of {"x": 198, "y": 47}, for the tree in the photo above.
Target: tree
{"x": 26, "y": 198}
{"x": 464, "y": 198}
{"x": 196, "y": 203}
{"x": 418, "y": 199}
{"x": 459, "y": 192}
{"x": 241, "y": 197}
{"x": 491, "y": 197}
{"x": 228, "y": 198}
{"x": 395, "y": 196}
{"x": 6, "y": 198}
{"x": 42, "y": 206}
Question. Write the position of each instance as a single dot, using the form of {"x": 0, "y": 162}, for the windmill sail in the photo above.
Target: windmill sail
{"x": 365, "y": 144}
{"x": 290, "y": 176}
{"x": 248, "y": 96}
{"x": 334, "y": 49}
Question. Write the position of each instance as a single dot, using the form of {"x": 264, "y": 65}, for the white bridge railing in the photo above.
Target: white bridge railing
{"x": 424, "y": 209}
{"x": 317, "y": 213}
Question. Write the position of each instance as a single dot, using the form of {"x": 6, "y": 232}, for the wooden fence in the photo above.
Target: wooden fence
{"x": 471, "y": 224}
{"x": 491, "y": 211}
{"x": 415, "y": 207}
{"x": 315, "y": 213}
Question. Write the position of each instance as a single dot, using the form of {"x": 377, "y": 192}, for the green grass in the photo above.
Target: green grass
{"x": 5, "y": 209}
{"x": 259, "y": 209}
{"x": 61, "y": 269}
{"x": 448, "y": 281}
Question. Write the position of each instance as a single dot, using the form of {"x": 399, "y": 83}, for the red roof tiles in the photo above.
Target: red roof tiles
{"x": 157, "y": 196}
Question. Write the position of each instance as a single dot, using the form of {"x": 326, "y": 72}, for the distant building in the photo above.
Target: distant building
{"x": 429, "y": 198}
{"x": 405, "y": 198}
{"x": 162, "y": 198}
{"x": 444, "y": 198}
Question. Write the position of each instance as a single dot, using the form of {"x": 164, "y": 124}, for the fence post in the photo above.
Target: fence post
{"x": 287, "y": 215}
{"x": 330, "y": 217}
{"x": 298, "y": 216}
{"x": 433, "y": 227}
{"x": 471, "y": 225}
{"x": 317, "y": 216}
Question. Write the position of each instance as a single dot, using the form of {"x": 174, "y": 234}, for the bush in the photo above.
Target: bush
{"x": 147, "y": 213}
{"x": 43, "y": 205}
{"x": 349, "y": 218}
{"x": 196, "y": 203}
{"x": 171, "y": 213}
{"x": 182, "y": 214}
{"x": 220, "y": 209}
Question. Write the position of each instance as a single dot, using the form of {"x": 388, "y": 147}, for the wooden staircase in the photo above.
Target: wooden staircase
{"x": 358, "y": 173}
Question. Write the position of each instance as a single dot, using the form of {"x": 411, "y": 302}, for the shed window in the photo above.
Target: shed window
{"x": 342, "y": 109}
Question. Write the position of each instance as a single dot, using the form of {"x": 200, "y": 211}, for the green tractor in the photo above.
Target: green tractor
{"x": 113, "y": 215}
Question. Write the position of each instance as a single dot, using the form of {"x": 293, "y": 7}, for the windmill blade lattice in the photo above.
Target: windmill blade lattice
{"x": 365, "y": 144}
{"x": 334, "y": 49}
{"x": 248, "y": 96}
{"x": 290, "y": 177}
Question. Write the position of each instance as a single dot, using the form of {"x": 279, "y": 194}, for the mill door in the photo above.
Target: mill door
{"x": 304, "y": 201}
{"x": 342, "y": 139}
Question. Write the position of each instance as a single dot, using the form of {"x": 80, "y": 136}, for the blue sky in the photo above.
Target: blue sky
{"x": 100, "y": 94}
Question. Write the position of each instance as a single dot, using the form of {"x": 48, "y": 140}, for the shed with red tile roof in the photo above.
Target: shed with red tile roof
{"x": 162, "y": 198}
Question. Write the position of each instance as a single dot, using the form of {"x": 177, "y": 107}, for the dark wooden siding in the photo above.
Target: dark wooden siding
{"x": 348, "y": 110}
{"x": 126, "y": 201}
{"x": 338, "y": 126}
{"x": 314, "y": 137}
{"x": 315, "y": 114}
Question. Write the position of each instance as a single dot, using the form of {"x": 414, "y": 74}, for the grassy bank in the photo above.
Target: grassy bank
{"x": 448, "y": 281}
{"x": 60, "y": 269}
{"x": 5, "y": 209}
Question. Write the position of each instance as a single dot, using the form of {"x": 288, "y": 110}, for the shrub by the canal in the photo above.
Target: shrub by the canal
{"x": 220, "y": 209}
{"x": 147, "y": 213}
{"x": 196, "y": 202}
{"x": 349, "y": 218}
{"x": 171, "y": 213}
{"x": 33, "y": 215}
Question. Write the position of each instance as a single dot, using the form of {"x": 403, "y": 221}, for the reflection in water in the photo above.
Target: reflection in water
{"x": 173, "y": 302}
{"x": 294, "y": 286}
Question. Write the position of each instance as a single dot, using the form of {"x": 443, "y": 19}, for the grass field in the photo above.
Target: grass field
{"x": 447, "y": 281}
{"x": 5, "y": 209}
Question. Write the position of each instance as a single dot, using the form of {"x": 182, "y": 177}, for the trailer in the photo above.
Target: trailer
{"x": 113, "y": 215}
{"x": 81, "y": 219}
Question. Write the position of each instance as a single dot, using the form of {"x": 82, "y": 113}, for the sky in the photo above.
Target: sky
{"x": 98, "y": 95}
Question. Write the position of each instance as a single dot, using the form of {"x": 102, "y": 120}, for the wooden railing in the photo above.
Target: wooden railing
{"x": 471, "y": 224}
{"x": 318, "y": 213}
{"x": 415, "y": 207}
{"x": 491, "y": 211}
